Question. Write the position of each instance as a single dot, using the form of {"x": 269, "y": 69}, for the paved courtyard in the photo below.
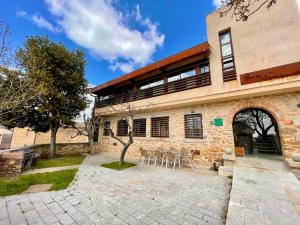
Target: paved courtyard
{"x": 264, "y": 192}
{"x": 139, "y": 195}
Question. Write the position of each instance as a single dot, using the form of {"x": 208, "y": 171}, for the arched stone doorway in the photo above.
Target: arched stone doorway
{"x": 257, "y": 131}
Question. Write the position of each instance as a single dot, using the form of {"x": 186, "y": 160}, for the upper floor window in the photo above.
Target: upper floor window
{"x": 106, "y": 97}
{"x": 122, "y": 129}
{"x": 160, "y": 127}
{"x": 139, "y": 127}
{"x": 204, "y": 69}
{"x": 227, "y": 56}
{"x": 153, "y": 84}
{"x": 193, "y": 126}
{"x": 183, "y": 75}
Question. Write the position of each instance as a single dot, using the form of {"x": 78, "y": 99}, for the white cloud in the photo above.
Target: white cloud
{"x": 38, "y": 20}
{"x": 126, "y": 67}
{"x": 104, "y": 30}
{"x": 41, "y": 22}
{"x": 217, "y": 3}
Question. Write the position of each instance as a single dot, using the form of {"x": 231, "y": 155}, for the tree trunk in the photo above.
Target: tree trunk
{"x": 92, "y": 146}
{"x": 52, "y": 151}
{"x": 124, "y": 150}
{"x": 264, "y": 133}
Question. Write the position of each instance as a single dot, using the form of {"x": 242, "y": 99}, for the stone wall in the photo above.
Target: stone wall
{"x": 11, "y": 163}
{"x": 63, "y": 149}
{"x": 283, "y": 107}
{"x": 25, "y": 137}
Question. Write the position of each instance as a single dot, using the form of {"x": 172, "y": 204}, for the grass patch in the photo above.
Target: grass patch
{"x": 58, "y": 162}
{"x": 60, "y": 180}
{"x": 117, "y": 166}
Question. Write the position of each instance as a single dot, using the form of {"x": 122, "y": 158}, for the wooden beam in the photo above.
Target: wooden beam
{"x": 271, "y": 73}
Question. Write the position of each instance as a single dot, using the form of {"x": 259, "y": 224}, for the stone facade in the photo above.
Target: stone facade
{"x": 11, "y": 163}
{"x": 283, "y": 107}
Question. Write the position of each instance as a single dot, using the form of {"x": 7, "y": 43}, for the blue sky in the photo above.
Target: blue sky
{"x": 116, "y": 35}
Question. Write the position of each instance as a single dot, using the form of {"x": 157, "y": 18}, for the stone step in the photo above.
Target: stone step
{"x": 225, "y": 171}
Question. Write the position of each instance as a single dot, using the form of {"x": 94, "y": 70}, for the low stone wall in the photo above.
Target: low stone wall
{"x": 11, "y": 162}
{"x": 67, "y": 149}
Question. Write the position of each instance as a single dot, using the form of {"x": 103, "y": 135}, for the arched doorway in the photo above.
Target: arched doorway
{"x": 256, "y": 130}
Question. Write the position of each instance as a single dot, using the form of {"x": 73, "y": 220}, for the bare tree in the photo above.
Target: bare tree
{"x": 126, "y": 112}
{"x": 257, "y": 119}
{"x": 4, "y": 43}
{"x": 242, "y": 9}
{"x": 89, "y": 130}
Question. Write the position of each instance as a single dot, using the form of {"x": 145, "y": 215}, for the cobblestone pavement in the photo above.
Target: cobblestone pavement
{"x": 139, "y": 195}
{"x": 264, "y": 192}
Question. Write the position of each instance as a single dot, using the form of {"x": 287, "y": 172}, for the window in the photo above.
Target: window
{"x": 139, "y": 128}
{"x": 122, "y": 129}
{"x": 105, "y": 97}
{"x": 193, "y": 126}
{"x": 153, "y": 84}
{"x": 204, "y": 69}
{"x": 229, "y": 72}
{"x": 160, "y": 127}
{"x": 106, "y": 128}
{"x": 182, "y": 75}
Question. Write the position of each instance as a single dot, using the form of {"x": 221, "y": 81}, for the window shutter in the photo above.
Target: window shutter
{"x": 160, "y": 127}
{"x": 139, "y": 128}
{"x": 122, "y": 129}
{"x": 193, "y": 126}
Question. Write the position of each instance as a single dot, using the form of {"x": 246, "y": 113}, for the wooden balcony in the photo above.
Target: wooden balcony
{"x": 196, "y": 81}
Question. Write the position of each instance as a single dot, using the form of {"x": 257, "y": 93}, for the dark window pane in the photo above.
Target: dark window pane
{"x": 106, "y": 128}
{"x": 122, "y": 129}
{"x": 193, "y": 126}
{"x": 139, "y": 128}
{"x": 160, "y": 127}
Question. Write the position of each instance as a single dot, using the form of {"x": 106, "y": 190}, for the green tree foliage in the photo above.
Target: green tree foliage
{"x": 59, "y": 82}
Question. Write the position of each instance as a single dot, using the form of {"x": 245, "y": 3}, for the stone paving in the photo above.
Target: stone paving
{"x": 139, "y": 195}
{"x": 51, "y": 169}
{"x": 264, "y": 192}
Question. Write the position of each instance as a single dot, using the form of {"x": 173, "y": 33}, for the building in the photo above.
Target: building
{"x": 196, "y": 94}
{"x": 5, "y": 138}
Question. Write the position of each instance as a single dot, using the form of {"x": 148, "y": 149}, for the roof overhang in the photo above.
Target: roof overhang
{"x": 197, "y": 50}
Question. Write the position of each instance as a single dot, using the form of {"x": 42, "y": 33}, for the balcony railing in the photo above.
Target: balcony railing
{"x": 168, "y": 88}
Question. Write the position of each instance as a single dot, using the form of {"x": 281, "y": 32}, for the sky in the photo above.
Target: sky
{"x": 117, "y": 36}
